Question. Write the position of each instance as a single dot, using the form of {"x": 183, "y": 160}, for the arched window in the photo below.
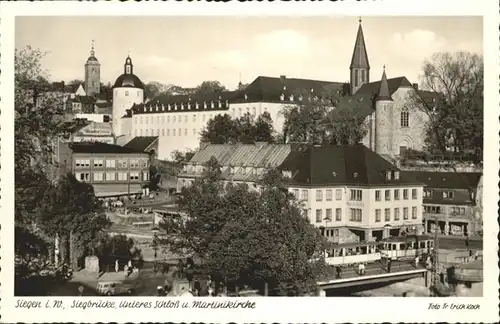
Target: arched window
{"x": 405, "y": 119}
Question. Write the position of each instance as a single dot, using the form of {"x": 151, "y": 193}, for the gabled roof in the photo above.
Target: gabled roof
{"x": 141, "y": 143}
{"x": 101, "y": 148}
{"x": 362, "y": 103}
{"x": 360, "y": 55}
{"x": 340, "y": 165}
{"x": 448, "y": 180}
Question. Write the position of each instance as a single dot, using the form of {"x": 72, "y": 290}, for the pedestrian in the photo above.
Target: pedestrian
{"x": 117, "y": 266}
{"x": 389, "y": 261}
{"x": 361, "y": 269}
{"x": 417, "y": 261}
{"x": 339, "y": 272}
{"x": 80, "y": 290}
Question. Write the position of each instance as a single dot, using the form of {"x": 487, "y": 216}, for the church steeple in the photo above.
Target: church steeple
{"x": 360, "y": 67}
{"x": 383, "y": 93}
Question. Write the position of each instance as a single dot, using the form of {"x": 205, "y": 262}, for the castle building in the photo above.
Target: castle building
{"x": 349, "y": 192}
{"x": 92, "y": 74}
{"x": 128, "y": 91}
{"x": 393, "y": 124}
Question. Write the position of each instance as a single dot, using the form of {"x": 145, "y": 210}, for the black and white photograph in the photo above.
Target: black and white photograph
{"x": 256, "y": 156}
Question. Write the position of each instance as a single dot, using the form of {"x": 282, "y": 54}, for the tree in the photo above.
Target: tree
{"x": 249, "y": 237}
{"x": 71, "y": 211}
{"x": 220, "y": 130}
{"x": 179, "y": 157}
{"x": 210, "y": 87}
{"x": 317, "y": 119}
{"x": 223, "y": 129}
{"x": 457, "y": 122}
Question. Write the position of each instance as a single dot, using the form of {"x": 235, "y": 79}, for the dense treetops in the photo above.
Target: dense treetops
{"x": 248, "y": 237}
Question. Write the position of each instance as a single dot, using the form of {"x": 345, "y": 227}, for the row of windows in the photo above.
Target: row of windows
{"x": 179, "y": 119}
{"x": 356, "y": 214}
{"x": 111, "y": 176}
{"x": 445, "y": 194}
{"x": 304, "y": 195}
{"x": 122, "y": 163}
{"x": 396, "y": 195}
{"x": 166, "y": 132}
{"x": 355, "y": 194}
{"x": 127, "y": 93}
{"x": 387, "y": 214}
{"x": 438, "y": 210}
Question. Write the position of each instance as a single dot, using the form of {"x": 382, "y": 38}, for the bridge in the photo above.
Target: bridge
{"x": 375, "y": 273}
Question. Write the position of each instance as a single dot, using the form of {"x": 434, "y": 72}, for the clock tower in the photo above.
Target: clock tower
{"x": 92, "y": 74}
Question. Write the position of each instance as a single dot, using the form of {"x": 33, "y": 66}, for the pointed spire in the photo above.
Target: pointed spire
{"x": 92, "y": 52}
{"x": 360, "y": 55}
{"x": 383, "y": 93}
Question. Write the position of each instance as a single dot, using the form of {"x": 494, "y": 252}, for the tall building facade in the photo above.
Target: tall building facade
{"x": 92, "y": 74}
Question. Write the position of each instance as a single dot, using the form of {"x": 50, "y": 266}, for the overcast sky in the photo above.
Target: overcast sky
{"x": 188, "y": 50}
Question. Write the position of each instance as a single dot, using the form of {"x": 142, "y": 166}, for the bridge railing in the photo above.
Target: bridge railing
{"x": 377, "y": 268}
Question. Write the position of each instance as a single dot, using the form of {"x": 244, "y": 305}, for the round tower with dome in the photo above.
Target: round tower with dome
{"x": 127, "y": 91}
{"x": 92, "y": 74}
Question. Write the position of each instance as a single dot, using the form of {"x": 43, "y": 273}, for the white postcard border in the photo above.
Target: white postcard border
{"x": 267, "y": 309}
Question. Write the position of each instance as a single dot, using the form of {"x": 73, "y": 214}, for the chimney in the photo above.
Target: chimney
{"x": 415, "y": 85}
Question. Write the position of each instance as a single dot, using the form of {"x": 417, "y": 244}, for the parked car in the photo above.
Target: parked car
{"x": 114, "y": 288}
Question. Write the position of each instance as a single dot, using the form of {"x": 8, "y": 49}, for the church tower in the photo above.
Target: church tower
{"x": 92, "y": 74}
{"x": 360, "y": 67}
{"x": 384, "y": 127}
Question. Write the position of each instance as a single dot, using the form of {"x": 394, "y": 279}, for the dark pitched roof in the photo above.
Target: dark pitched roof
{"x": 393, "y": 85}
{"x": 383, "y": 93}
{"x": 267, "y": 89}
{"x": 338, "y": 165}
{"x": 176, "y": 103}
{"x": 270, "y": 89}
{"x": 362, "y": 103}
{"x": 447, "y": 180}
{"x": 141, "y": 143}
{"x": 360, "y": 55}
{"x": 98, "y": 147}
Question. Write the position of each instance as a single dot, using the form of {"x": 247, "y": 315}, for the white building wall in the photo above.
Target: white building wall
{"x": 123, "y": 99}
{"x": 368, "y": 205}
{"x": 166, "y": 125}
